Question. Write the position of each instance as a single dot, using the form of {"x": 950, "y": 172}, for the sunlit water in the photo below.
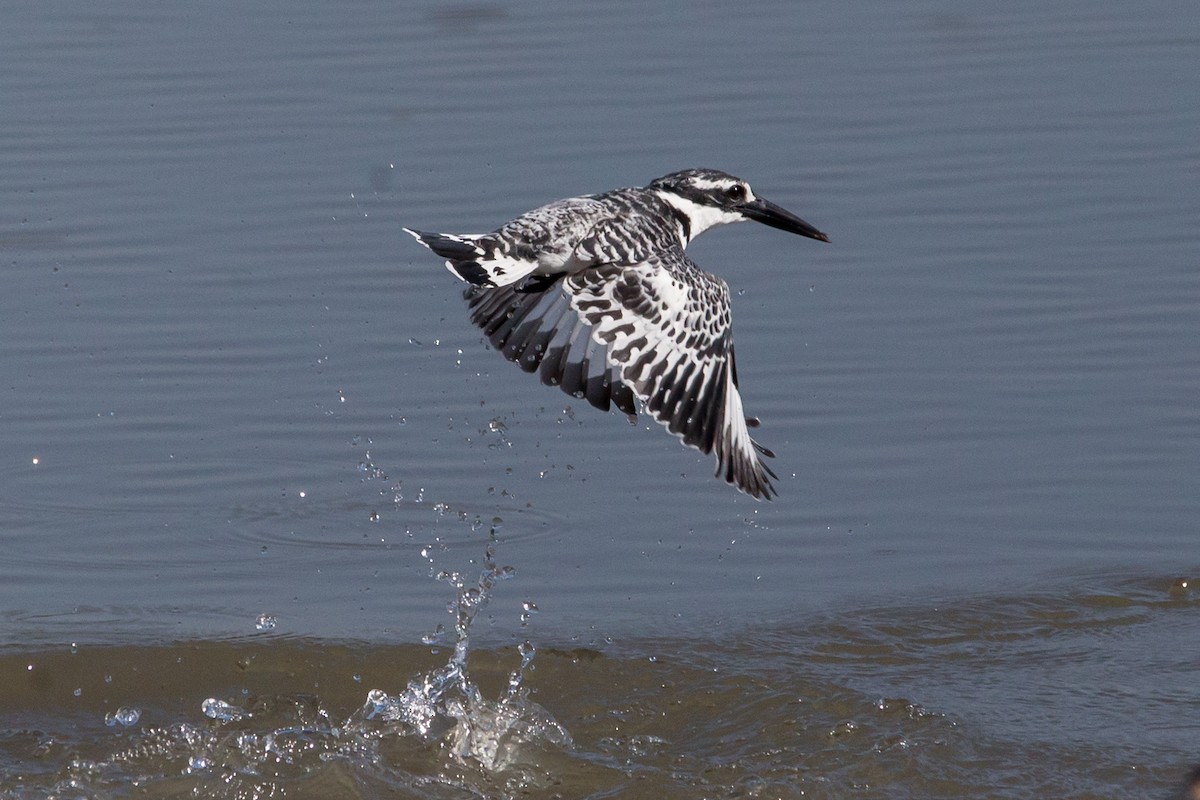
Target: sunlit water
{"x": 243, "y": 419}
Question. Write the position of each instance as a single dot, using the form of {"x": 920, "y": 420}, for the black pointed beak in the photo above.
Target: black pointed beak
{"x": 768, "y": 213}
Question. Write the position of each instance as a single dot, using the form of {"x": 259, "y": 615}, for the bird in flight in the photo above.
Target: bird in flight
{"x": 597, "y": 296}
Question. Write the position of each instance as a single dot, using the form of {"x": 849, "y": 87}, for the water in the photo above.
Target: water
{"x": 842, "y": 704}
{"x": 233, "y": 391}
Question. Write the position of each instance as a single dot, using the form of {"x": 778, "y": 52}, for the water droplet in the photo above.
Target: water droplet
{"x": 265, "y": 622}
{"x": 377, "y": 703}
{"x": 78, "y": 692}
{"x": 123, "y": 716}
{"x": 198, "y": 763}
{"x": 36, "y": 461}
{"x": 435, "y": 637}
{"x": 219, "y": 709}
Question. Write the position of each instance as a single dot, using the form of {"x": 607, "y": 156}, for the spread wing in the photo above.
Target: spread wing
{"x": 658, "y": 330}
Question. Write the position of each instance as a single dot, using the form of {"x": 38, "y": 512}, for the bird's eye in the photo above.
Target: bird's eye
{"x": 736, "y": 192}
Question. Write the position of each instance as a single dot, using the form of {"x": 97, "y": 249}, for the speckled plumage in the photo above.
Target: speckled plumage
{"x": 597, "y": 295}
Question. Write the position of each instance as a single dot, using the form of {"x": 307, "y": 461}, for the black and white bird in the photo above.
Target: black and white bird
{"x": 597, "y": 296}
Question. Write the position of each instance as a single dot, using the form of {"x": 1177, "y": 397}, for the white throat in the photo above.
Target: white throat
{"x": 700, "y": 217}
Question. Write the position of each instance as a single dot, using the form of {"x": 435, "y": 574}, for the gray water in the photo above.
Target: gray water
{"x": 230, "y": 385}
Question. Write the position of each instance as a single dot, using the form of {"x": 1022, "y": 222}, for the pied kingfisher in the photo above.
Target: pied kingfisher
{"x": 596, "y": 294}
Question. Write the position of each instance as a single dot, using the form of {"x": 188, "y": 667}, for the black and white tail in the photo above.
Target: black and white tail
{"x": 475, "y": 258}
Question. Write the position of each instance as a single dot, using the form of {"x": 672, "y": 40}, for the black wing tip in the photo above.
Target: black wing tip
{"x": 748, "y": 473}
{"x": 754, "y": 480}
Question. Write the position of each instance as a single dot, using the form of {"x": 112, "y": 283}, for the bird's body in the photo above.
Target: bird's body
{"x": 597, "y": 295}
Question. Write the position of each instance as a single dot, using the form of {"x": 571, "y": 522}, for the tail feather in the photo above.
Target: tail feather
{"x": 475, "y": 258}
{"x": 449, "y": 245}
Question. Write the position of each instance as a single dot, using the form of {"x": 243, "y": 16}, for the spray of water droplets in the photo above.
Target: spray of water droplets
{"x": 446, "y": 702}
{"x": 251, "y": 747}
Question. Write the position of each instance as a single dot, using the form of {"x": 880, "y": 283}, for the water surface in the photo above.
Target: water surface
{"x": 230, "y": 385}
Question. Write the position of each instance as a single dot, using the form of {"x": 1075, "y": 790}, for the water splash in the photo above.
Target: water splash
{"x": 442, "y": 724}
{"x": 446, "y": 705}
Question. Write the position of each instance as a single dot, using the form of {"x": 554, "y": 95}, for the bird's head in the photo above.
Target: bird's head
{"x": 708, "y": 198}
